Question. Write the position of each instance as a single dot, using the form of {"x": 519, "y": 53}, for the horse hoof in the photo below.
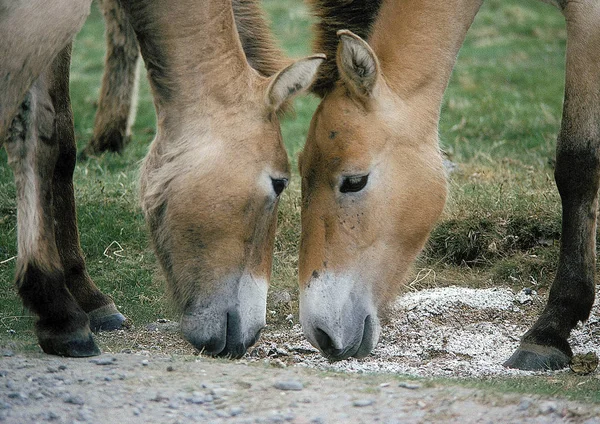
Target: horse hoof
{"x": 76, "y": 346}
{"x": 532, "y": 357}
{"x": 106, "y": 318}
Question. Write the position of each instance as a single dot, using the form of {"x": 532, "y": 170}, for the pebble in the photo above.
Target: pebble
{"x": 106, "y": 360}
{"x": 409, "y": 385}
{"x": 197, "y": 398}
{"x": 288, "y": 385}
{"x": 524, "y": 404}
{"x": 145, "y": 362}
{"x": 36, "y": 395}
{"x": 17, "y": 395}
{"x": 74, "y": 400}
{"x": 235, "y": 411}
{"x": 8, "y": 353}
{"x": 84, "y": 415}
{"x": 362, "y": 402}
{"x": 548, "y": 407}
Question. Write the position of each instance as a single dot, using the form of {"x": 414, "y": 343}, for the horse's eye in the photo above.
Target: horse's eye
{"x": 354, "y": 183}
{"x": 279, "y": 184}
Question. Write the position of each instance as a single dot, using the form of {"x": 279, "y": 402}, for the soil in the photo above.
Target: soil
{"x": 150, "y": 374}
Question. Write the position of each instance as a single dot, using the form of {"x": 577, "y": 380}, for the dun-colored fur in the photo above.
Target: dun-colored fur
{"x": 210, "y": 183}
{"x": 372, "y": 180}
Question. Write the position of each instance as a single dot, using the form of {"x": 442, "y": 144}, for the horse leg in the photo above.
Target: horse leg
{"x": 62, "y": 327}
{"x": 31, "y": 35}
{"x": 101, "y": 310}
{"x": 118, "y": 96}
{"x": 577, "y": 174}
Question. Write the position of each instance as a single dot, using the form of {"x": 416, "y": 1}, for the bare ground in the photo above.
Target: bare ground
{"x": 150, "y": 375}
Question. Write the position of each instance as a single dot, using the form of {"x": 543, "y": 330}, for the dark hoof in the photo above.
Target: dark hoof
{"x": 106, "y": 318}
{"x": 77, "y": 346}
{"x": 532, "y": 357}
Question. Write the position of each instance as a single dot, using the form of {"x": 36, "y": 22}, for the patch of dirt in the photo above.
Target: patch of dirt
{"x": 151, "y": 375}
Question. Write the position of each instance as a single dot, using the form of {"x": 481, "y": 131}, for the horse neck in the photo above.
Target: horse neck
{"x": 193, "y": 55}
{"x": 417, "y": 42}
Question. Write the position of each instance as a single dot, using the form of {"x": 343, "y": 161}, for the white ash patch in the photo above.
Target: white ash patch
{"x": 451, "y": 332}
{"x": 437, "y": 301}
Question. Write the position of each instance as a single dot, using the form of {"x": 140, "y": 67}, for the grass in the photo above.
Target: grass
{"x": 500, "y": 117}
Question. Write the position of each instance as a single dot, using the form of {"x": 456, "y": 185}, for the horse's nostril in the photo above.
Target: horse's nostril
{"x": 323, "y": 339}
{"x": 327, "y": 345}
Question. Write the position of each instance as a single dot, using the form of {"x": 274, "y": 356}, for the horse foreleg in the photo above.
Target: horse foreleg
{"x": 100, "y": 308}
{"x": 118, "y": 95}
{"x": 62, "y": 327}
{"x": 577, "y": 174}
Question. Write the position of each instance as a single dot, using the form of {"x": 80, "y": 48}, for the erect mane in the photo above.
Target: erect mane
{"x": 262, "y": 52}
{"x": 357, "y": 16}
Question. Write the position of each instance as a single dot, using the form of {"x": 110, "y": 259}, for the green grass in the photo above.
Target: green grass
{"x": 500, "y": 117}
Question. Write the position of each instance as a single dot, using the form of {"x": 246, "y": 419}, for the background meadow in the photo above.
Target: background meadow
{"x": 500, "y": 117}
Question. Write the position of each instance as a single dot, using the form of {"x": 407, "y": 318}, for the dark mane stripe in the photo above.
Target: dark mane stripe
{"x": 357, "y": 16}
{"x": 262, "y": 52}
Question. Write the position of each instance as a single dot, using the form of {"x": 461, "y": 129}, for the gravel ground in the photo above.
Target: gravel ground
{"x": 151, "y": 375}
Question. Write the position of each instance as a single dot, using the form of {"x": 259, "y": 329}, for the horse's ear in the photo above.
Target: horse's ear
{"x": 357, "y": 63}
{"x": 292, "y": 80}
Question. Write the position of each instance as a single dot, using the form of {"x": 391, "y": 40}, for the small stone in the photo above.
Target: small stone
{"x": 136, "y": 411}
{"x": 170, "y": 368}
{"x": 7, "y": 353}
{"x": 17, "y": 395}
{"x": 51, "y": 416}
{"x": 84, "y": 415}
{"x": 74, "y": 400}
{"x": 105, "y": 360}
{"x": 4, "y": 405}
{"x": 235, "y": 411}
{"x": 289, "y": 385}
{"x": 548, "y": 407}
{"x": 196, "y": 398}
{"x": 174, "y": 405}
{"x": 362, "y": 402}
{"x": 145, "y": 362}
{"x": 107, "y": 378}
{"x": 159, "y": 398}
{"x": 524, "y": 404}
{"x": 409, "y": 385}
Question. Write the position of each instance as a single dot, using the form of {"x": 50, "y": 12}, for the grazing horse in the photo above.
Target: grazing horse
{"x": 373, "y": 183}
{"x": 213, "y": 229}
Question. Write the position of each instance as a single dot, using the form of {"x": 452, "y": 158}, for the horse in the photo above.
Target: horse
{"x": 210, "y": 183}
{"x": 373, "y": 182}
